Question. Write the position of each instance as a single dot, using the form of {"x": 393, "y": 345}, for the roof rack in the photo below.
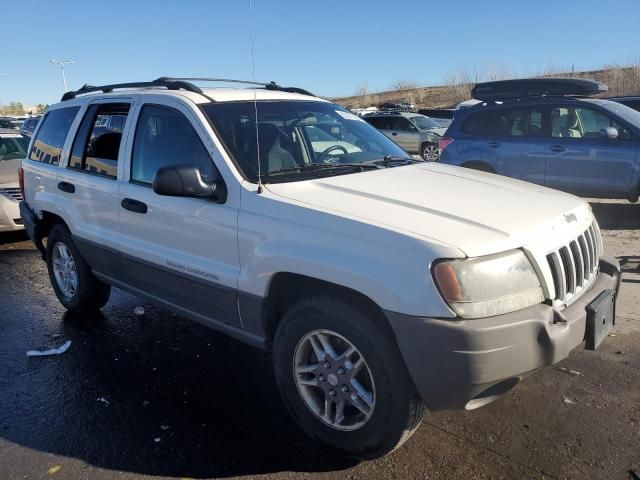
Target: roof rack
{"x": 171, "y": 83}
{"x": 536, "y": 87}
{"x": 268, "y": 86}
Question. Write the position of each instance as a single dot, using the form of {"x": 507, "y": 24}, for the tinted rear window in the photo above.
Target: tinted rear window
{"x": 47, "y": 146}
{"x": 478, "y": 123}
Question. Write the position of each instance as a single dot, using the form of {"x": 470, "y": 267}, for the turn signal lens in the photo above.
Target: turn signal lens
{"x": 448, "y": 282}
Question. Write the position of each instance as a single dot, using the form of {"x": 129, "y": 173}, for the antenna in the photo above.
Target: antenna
{"x": 255, "y": 100}
{"x": 62, "y": 63}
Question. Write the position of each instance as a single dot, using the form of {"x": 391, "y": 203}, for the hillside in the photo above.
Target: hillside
{"x": 621, "y": 81}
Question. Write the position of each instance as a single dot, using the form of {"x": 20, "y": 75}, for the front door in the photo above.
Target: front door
{"x": 581, "y": 160}
{"x": 180, "y": 250}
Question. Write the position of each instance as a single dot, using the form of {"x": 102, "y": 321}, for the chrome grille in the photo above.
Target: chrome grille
{"x": 574, "y": 265}
{"x": 12, "y": 194}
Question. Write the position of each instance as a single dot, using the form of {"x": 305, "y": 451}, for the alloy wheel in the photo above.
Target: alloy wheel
{"x": 334, "y": 380}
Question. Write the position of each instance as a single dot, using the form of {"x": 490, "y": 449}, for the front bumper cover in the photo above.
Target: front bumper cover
{"x": 453, "y": 361}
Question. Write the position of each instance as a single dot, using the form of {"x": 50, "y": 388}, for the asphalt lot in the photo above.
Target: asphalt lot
{"x": 160, "y": 396}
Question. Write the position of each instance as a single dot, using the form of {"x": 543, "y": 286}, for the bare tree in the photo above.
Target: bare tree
{"x": 362, "y": 92}
{"x": 400, "y": 85}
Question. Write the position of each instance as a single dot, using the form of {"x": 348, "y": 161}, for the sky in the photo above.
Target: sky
{"x": 329, "y": 47}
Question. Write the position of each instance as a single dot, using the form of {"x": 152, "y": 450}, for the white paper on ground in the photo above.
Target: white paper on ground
{"x": 54, "y": 351}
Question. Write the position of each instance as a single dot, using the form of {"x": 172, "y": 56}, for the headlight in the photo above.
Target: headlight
{"x": 490, "y": 285}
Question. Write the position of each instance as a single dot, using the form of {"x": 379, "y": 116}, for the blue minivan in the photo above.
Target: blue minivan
{"x": 585, "y": 146}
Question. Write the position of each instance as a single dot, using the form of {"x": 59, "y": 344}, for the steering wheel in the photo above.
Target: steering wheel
{"x": 331, "y": 149}
{"x": 362, "y": 145}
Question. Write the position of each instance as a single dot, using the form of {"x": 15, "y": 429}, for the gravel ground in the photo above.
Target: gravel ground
{"x": 160, "y": 396}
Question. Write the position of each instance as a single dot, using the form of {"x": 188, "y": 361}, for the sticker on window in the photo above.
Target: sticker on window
{"x": 348, "y": 115}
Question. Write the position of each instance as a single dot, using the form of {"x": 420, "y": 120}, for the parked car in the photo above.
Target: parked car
{"x": 13, "y": 148}
{"x": 415, "y": 133}
{"x": 629, "y": 101}
{"x": 382, "y": 285}
{"x": 7, "y": 123}
{"x": 396, "y": 107}
{"x": 585, "y": 146}
{"x": 29, "y": 125}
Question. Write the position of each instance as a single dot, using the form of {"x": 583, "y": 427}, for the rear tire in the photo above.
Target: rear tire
{"x": 395, "y": 408}
{"x": 430, "y": 152}
{"x": 75, "y": 285}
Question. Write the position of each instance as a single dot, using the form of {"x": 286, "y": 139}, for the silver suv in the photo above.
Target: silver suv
{"x": 415, "y": 133}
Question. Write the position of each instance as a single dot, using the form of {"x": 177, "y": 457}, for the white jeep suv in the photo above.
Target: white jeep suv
{"x": 383, "y": 286}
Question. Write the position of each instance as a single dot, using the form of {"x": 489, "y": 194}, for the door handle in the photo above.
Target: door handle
{"x": 493, "y": 144}
{"x": 133, "y": 205}
{"x": 66, "y": 187}
{"x": 394, "y": 133}
{"x": 556, "y": 148}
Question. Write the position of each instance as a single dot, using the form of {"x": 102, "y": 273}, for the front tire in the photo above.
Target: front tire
{"x": 343, "y": 380}
{"x": 75, "y": 285}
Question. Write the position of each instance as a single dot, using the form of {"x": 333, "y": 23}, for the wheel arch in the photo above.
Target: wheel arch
{"x": 49, "y": 220}
{"x": 286, "y": 288}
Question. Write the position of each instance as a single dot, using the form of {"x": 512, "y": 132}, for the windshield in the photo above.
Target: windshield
{"x": 13, "y": 146}
{"x": 294, "y": 136}
{"x": 626, "y": 113}
{"x": 425, "y": 123}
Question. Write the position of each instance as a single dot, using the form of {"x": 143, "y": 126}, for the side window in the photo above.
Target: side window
{"x": 511, "y": 122}
{"x": 401, "y": 124}
{"x": 582, "y": 122}
{"x": 47, "y": 146}
{"x": 381, "y": 123}
{"x": 165, "y": 137}
{"x": 12, "y": 147}
{"x": 97, "y": 143}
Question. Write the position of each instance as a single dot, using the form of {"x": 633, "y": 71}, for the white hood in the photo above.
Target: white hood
{"x": 476, "y": 212}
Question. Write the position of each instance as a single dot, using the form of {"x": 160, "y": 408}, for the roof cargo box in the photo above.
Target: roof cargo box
{"x": 534, "y": 87}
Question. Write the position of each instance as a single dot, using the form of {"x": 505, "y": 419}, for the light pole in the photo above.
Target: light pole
{"x": 62, "y": 63}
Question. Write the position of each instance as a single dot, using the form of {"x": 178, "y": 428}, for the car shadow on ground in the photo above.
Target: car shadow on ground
{"x": 617, "y": 216}
{"x": 156, "y": 395}
{"x": 12, "y": 237}
{"x": 630, "y": 264}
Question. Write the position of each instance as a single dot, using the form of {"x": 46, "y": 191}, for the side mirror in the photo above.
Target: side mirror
{"x": 609, "y": 133}
{"x": 186, "y": 181}
{"x": 412, "y": 128}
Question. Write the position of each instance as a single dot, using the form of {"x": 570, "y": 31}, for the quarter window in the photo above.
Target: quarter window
{"x": 97, "y": 143}
{"x": 164, "y": 137}
{"x": 47, "y": 146}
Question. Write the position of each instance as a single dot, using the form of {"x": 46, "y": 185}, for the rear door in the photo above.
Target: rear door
{"x": 581, "y": 161}
{"x": 514, "y": 143}
{"x": 88, "y": 185}
{"x": 181, "y": 251}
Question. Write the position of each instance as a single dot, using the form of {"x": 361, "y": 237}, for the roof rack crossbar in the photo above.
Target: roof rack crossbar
{"x": 269, "y": 85}
{"x": 167, "y": 83}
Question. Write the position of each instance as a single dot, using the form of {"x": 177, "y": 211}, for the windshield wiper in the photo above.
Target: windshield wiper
{"x": 310, "y": 167}
{"x": 394, "y": 160}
